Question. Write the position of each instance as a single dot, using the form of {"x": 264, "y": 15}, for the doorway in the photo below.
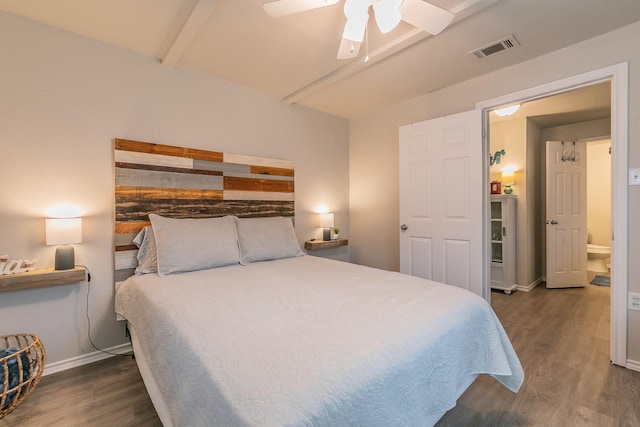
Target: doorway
{"x": 618, "y": 77}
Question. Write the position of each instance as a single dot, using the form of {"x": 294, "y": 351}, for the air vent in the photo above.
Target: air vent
{"x": 496, "y": 47}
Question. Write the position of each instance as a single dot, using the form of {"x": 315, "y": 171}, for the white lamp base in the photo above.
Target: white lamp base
{"x": 65, "y": 258}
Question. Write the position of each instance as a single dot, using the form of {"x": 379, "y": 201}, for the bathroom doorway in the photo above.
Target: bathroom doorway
{"x": 520, "y": 139}
{"x": 617, "y": 77}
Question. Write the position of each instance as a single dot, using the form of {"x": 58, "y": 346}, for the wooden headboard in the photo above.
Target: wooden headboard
{"x": 191, "y": 183}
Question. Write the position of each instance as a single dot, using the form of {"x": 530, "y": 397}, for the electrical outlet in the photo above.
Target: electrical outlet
{"x": 634, "y": 301}
{"x": 634, "y": 176}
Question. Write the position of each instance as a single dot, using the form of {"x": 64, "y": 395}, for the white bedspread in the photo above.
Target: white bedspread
{"x": 310, "y": 341}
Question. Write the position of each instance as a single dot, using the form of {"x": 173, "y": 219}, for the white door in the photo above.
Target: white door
{"x": 566, "y": 219}
{"x": 441, "y": 191}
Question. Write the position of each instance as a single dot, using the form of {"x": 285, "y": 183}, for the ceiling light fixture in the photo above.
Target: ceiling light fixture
{"x": 388, "y": 14}
{"x": 507, "y": 111}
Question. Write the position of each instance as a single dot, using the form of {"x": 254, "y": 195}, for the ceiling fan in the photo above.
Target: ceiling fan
{"x": 388, "y": 14}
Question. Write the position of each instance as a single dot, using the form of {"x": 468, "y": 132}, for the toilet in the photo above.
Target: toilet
{"x": 597, "y": 256}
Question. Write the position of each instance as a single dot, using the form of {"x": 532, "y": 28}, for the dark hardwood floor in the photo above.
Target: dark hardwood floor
{"x": 561, "y": 337}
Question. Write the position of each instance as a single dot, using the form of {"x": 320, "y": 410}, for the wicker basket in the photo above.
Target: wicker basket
{"x": 21, "y": 370}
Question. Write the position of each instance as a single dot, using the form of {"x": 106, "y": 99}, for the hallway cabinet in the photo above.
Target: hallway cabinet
{"x": 503, "y": 242}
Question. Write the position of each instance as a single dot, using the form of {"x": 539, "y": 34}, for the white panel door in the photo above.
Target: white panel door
{"x": 566, "y": 219}
{"x": 441, "y": 200}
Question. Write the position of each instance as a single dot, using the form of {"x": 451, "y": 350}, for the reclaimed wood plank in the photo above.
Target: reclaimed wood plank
{"x": 148, "y": 178}
{"x": 167, "y": 150}
{"x": 42, "y": 277}
{"x": 131, "y": 247}
{"x": 255, "y": 176}
{"x": 127, "y": 193}
{"x": 257, "y": 161}
{"x": 167, "y": 169}
{"x": 221, "y": 167}
{"x": 124, "y": 239}
{"x": 267, "y": 170}
{"x": 138, "y": 213}
{"x": 123, "y": 227}
{"x": 320, "y": 245}
{"x": 257, "y": 195}
{"x": 257, "y": 184}
{"x": 121, "y": 156}
{"x": 126, "y": 259}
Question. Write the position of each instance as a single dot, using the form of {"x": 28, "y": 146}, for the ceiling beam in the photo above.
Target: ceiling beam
{"x": 199, "y": 16}
{"x": 462, "y": 11}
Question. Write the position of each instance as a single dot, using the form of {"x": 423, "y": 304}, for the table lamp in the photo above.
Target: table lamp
{"x": 64, "y": 232}
{"x": 508, "y": 179}
{"x": 326, "y": 222}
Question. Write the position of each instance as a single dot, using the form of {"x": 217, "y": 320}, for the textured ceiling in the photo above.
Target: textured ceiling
{"x": 294, "y": 57}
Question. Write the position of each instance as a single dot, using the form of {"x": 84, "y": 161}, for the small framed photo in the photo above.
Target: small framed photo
{"x": 496, "y": 187}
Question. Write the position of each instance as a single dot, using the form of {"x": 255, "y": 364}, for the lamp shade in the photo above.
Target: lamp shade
{"x": 326, "y": 220}
{"x": 63, "y": 231}
{"x": 508, "y": 178}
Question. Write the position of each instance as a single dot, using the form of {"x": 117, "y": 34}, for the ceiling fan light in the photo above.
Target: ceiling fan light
{"x": 387, "y": 15}
{"x": 507, "y": 111}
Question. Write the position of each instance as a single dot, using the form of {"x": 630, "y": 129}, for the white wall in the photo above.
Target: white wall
{"x": 599, "y": 192}
{"x": 374, "y": 141}
{"x": 63, "y": 99}
{"x": 513, "y": 136}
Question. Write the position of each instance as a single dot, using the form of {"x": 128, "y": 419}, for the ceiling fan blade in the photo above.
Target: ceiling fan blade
{"x": 277, "y": 8}
{"x": 355, "y": 27}
{"x": 425, "y": 16}
{"x": 387, "y": 14}
{"x": 348, "y": 49}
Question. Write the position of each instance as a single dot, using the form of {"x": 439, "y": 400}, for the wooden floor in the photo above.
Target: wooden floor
{"x": 561, "y": 337}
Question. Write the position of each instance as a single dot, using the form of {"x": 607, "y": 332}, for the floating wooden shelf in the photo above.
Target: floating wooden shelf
{"x": 41, "y": 278}
{"x": 320, "y": 245}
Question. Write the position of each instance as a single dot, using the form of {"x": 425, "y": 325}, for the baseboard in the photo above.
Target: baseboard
{"x": 634, "y": 365}
{"x": 74, "y": 362}
{"x": 530, "y": 286}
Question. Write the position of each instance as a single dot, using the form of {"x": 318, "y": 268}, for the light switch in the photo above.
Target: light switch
{"x": 634, "y": 176}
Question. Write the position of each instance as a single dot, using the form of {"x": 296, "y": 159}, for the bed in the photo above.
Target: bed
{"x": 233, "y": 325}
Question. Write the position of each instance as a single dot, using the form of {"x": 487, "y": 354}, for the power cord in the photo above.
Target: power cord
{"x": 89, "y": 319}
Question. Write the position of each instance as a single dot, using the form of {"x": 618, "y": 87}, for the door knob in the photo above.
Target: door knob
{"x": 403, "y": 227}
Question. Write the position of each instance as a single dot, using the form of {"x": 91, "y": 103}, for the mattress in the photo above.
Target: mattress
{"x": 310, "y": 341}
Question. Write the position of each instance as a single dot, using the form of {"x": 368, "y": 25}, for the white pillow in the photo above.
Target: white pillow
{"x": 194, "y": 244}
{"x": 147, "y": 254}
{"x": 263, "y": 239}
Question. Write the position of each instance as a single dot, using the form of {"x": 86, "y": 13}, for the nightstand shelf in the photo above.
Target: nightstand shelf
{"x": 41, "y": 278}
{"x": 320, "y": 245}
